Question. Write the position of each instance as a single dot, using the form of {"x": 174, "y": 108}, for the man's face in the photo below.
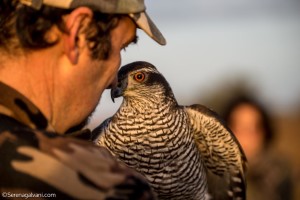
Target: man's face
{"x": 121, "y": 37}
{"x": 94, "y": 76}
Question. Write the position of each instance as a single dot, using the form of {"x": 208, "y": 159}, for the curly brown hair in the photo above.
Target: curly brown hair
{"x": 26, "y": 27}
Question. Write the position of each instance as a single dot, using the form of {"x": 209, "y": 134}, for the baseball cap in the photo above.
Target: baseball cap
{"x": 134, "y": 8}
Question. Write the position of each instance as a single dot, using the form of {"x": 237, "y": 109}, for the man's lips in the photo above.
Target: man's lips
{"x": 113, "y": 83}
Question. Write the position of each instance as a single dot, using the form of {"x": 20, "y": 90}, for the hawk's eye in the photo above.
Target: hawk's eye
{"x": 139, "y": 77}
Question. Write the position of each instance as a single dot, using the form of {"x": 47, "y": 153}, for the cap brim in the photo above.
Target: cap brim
{"x": 144, "y": 22}
{"x": 137, "y": 8}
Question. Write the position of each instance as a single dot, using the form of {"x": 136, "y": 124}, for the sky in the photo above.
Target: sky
{"x": 212, "y": 44}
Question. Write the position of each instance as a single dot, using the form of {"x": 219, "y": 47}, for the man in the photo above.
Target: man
{"x": 56, "y": 58}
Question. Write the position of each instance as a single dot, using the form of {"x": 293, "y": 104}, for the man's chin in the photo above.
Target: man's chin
{"x": 79, "y": 126}
{"x": 83, "y": 123}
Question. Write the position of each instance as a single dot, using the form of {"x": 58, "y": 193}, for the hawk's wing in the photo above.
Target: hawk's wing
{"x": 222, "y": 154}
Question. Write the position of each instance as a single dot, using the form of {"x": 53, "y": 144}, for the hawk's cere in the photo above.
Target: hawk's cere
{"x": 185, "y": 152}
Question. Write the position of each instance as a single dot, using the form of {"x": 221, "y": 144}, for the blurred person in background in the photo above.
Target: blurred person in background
{"x": 268, "y": 176}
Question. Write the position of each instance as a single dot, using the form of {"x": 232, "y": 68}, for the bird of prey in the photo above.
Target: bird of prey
{"x": 185, "y": 152}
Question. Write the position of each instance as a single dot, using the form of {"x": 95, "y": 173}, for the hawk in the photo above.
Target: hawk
{"x": 185, "y": 152}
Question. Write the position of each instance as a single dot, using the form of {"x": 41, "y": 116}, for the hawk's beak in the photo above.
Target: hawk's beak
{"x": 117, "y": 90}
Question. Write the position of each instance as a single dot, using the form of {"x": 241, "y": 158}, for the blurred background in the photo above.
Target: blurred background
{"x": 219, "y": 49}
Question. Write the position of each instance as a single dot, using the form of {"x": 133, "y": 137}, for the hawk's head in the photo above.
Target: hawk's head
{"x": 143, "y": 81}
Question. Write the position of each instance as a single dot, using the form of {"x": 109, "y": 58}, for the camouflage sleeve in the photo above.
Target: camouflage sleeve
{"x": 68, "y": 167}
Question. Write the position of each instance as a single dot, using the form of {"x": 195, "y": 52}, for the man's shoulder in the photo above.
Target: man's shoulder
{"x": 72, "y": 167}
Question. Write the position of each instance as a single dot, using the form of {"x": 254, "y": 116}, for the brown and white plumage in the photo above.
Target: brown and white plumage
{"x": 185, "y": 152}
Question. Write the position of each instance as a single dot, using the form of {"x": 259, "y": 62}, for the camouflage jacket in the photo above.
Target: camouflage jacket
{"x": 34, "y": 160}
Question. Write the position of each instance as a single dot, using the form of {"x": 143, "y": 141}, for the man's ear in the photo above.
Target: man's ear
{"x": 76, "y": 21}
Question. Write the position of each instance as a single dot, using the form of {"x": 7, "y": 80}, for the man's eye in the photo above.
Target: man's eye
{"x": 134, "y": 41}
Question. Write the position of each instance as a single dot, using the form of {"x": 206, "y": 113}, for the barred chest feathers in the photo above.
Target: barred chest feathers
{"x": 185, "y": 152}
{"x": 156, "y": 140}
